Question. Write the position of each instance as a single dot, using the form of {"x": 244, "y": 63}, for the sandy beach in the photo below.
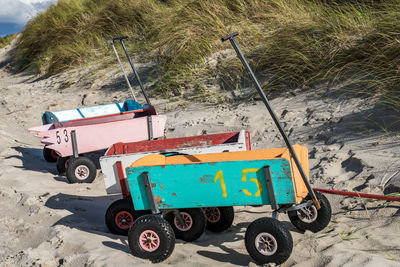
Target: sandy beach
{"x": 45, "y": 221}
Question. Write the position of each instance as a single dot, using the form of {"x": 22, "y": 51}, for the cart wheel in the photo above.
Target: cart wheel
{"x": 120, "y": 216}
{"x": 62, "y": 164}
{"x": 219, "y": 218}
{"x": 151, "y": 237}
{"x": 50, "y": 155}
{"x": 316, "y": 220}
{"x": 81, "y": 170}
{"x": 193, "y": 227}
{"x": 267, "y": 240}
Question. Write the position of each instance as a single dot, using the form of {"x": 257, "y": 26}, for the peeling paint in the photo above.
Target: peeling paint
{"x": 206, "y": 179}
{"x": 174, "y": 194}
{"x": 162, "y": 188}
{"x": 158, "y": 200}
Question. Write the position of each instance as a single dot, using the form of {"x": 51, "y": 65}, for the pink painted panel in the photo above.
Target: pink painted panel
{"x": 41, "y": 128}
{"x": 99, "y": 136}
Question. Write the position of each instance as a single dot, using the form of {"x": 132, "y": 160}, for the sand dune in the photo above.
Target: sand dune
{"x": 47, "y": 222}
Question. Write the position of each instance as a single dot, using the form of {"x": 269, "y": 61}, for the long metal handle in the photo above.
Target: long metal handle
{"x": 231, "y": 38}
{"x": 135, "y": 72}
{"x": 111, "y": 42}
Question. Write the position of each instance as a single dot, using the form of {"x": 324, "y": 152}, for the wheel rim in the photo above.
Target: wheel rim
{"x": 149, "y": 241}
{"x": 82, "y": 172}
{"x": 187, "y": 222}
{"x": 312, "y": 214}
{"x": 266, "y": 244}
{"x": 124, "y": 220}
{"x": 54, "y": 154}
{"x": 213, "y": 214}
{"x": 66, "y": 163}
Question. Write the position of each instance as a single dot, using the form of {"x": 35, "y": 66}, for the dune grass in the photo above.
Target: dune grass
{"x": 292, "y": 43}
{"x": 6, "y": 40}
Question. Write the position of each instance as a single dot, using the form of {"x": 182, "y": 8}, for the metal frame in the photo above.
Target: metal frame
{"x": 149, "y": 193}
{"x": 74, "y": 144}
{"x": 150, "y": 126}
{"x": 270, "y": 187}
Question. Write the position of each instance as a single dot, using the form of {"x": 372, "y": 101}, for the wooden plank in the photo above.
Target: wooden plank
{"x": 232, "y": 183}
{"x": 100, "y": 136}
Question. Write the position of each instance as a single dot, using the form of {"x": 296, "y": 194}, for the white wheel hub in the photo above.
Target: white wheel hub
{"x": 82, "y": 172}
{"x": 266, "y": 244}
{"x": 310, "y": 216}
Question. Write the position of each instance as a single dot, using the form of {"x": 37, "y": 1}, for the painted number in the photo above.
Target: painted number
{"x": 65, "y": 135}
{"x": 58, "y": 137}
{"x": 219, "y": 175}
{"x": 254, "y": 180}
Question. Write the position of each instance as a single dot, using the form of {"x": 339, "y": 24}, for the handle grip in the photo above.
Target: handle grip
{"x": 119, "y": 38}
{"x": 229, "y": 36}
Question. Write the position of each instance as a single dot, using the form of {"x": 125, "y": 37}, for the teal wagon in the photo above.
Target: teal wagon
{"x": 178, "y": 190}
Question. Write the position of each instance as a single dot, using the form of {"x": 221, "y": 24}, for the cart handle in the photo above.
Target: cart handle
{"x": 229, "y": 36}
{"x": 239, "y": 53}
{"x": 119, "y": 38}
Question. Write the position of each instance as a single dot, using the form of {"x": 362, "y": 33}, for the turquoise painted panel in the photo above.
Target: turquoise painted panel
{"x": 90, "y": 112}
{"x": 229, "y": 183}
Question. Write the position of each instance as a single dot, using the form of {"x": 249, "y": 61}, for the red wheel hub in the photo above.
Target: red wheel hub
{"x": 213, "y": 214}
{"x": 124, "y": 220}
{"x": 187, "y": 222}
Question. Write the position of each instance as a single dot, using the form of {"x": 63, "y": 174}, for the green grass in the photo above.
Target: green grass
{"x": 290, "y": 43}
{"x": 6, "y": 40}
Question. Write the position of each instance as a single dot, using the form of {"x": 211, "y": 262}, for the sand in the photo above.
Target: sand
{"x": 353, "y": 143}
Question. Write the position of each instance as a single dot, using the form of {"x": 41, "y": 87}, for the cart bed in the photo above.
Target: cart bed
{"x": 227, "y": 183}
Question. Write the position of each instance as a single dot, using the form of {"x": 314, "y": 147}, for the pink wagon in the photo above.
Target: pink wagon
{"x": 69, "y": 133}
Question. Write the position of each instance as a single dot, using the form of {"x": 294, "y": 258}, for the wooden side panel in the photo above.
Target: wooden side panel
{"x": 212, "y": 184}
{"x": 275, "y": 153}
{"x": 101, "y": 136}
{"x": 299, "y": 185}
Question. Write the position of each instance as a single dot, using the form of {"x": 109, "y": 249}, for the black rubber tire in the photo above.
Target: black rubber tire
{"x": 226, "y": 216}
{"x": 320, "y": 222}
{"x": 84, "y": 164}
{"x": 122, "y": 205}
{"x": 164, "y": 232}
{"x": 283, "y": 241}
{"x": 62, "y": 163}
{"x": 197, "y": 228}
{"x": 49, "y": 155}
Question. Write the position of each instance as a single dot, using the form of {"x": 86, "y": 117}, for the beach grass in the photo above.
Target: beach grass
{"x": 290, "y": 43}
{"x": 6, "y": 40}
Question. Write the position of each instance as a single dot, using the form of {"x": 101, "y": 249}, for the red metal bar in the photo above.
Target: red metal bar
{"x": 122, "y": 180}
{"x": 248, "y": 143}
{"x": 356, "y": 194}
